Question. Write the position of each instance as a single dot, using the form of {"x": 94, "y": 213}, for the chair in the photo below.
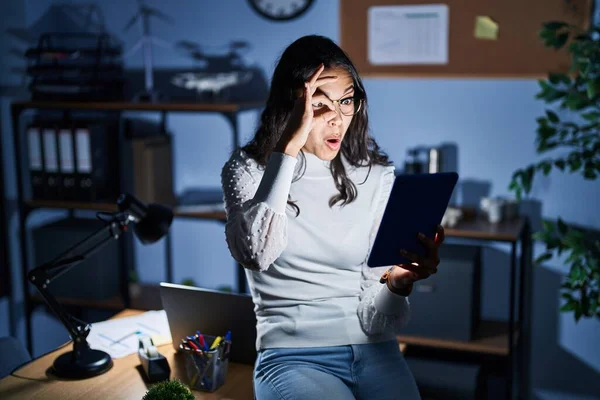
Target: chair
{"x": 12, "y": 354}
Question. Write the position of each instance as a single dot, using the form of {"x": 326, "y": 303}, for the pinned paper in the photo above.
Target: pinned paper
{"x": 486, "y": 28}
{"x": 413, "y": 34}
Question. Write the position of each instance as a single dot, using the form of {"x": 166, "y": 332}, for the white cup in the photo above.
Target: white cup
{"x": 495, "y": 210}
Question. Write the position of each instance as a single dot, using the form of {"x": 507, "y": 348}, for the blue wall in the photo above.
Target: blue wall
{"x": 491, "y": 121}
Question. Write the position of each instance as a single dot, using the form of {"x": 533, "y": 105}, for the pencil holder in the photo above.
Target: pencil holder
{"x": 207, "y": 369}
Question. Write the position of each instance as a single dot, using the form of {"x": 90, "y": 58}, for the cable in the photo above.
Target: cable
{"x": 35, "y": 359}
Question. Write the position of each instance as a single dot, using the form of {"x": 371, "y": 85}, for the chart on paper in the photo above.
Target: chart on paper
{"x": 408, "y": 34}
{"x": 120, "y": 337}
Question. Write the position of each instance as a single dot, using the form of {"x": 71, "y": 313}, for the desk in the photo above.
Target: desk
{"x": 123, "y": 381}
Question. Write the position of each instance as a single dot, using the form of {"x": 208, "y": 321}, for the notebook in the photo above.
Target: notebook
{"x": 190, "y": 309}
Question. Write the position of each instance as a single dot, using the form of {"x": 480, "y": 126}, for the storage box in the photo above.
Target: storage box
{"x": 447, "y": 305}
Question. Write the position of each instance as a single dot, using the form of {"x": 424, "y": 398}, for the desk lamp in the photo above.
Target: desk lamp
{"x": 152, "y": 222}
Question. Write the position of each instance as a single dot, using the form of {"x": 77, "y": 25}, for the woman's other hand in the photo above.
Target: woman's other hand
{"x": 422, "y": 267}
{"x": 301, "y": 121}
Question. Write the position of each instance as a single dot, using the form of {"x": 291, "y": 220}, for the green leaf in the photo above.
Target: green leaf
{"x": 578, "y": 312}
{"x": 546, "y": 131}
{"x": 575, "y": 163}
{"x": 561, "y": 40}
{"x": 591, "y": 116}
{"x": 527, "y": 178}
{"x": 560, "y": 164}
{"x": 567, "y": 296}
{"x": 541, "y": 236}
{"x": 592, "y": 306}
{"x": 548, "y": 226}
{"x": 556, "y": 79}
{"x": 569, "y": 306}
{"x": 590, "y": 174}
{"x": 546, "y": 167}
{"x": 553, "y": 26}
{"x": 575, "y": 101}
{"x": 577, "y": 273}
{"x": 552, "y": 116}
{"x": 544, "y": 257}
{"x": 593, "y": 88}
{"x": 562, "y": 227}
{"x": 552, "y": 243}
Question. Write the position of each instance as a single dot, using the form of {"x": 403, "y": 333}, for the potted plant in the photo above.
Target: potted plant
{"x": 174, "y": 390}
{"x": 188, "y": 282}
{"x": 135, "y": 289}
{"x": 574, "y": 145}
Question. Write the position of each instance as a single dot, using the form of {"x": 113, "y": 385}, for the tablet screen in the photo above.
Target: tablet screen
{"x": 416, "y": 204}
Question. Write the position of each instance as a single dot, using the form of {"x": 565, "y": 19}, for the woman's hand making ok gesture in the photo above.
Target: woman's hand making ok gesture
{"x": 302, "y": 118}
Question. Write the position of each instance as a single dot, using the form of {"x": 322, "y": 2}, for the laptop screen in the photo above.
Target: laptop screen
{"x": 190, "y": 309}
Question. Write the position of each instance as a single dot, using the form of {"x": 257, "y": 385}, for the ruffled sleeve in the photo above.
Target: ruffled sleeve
{"x": 255, "y": 201}
{"x": 379, "y": 309}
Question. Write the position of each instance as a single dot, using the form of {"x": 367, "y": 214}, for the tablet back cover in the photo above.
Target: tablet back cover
{"x": 417, "y": 203}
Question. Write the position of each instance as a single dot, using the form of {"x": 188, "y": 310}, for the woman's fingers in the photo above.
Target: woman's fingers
{"x": 429, "y": 263}
{"x": 420, "y": 271}
{"x": 440, "y": 235}
{"x": 412, "y": 256}
{"x": 316, "y": 80}
{"x": 307, "y": 100}
{"x": 313, "y": 78}
{"x": 429, "y": 243}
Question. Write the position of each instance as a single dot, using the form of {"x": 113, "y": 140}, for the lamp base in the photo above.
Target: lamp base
{"x": 82, "y": 364}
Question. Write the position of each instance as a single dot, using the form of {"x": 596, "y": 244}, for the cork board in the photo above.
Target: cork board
{"x": 516, "y": 52}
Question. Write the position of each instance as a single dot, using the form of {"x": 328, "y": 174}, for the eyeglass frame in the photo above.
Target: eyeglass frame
{"x": 355, "y": 97}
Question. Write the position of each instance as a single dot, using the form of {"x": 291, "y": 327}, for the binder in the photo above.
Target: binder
{"x": 66, "y": 157}
{"x": 50, "y": 151}
{"x": 36, "y": 162}
{"x": 83, "y": 162}
{"x": 96, "y": 161}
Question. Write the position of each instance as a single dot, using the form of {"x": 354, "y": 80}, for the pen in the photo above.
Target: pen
{"x": 192, "y": 345}
{"x": 216, "y": 342}
{"x": 202, "y": 341}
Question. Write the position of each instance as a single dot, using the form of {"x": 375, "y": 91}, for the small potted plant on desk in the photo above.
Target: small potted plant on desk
{"x": 174, "y": 390}
{"x": 578, "y": 92}
{"x": 135, "y": 289}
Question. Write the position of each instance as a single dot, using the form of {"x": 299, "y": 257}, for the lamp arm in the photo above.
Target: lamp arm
{"x": 42, "y": 275}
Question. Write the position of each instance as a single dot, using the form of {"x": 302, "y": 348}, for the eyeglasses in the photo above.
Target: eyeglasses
{"x": 348, "y": 106}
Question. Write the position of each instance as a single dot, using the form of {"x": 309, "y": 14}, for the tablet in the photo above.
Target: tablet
{"x": 416, "y": 204}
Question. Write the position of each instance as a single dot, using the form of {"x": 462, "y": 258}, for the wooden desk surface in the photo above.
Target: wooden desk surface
{"x": 124, "y": 380}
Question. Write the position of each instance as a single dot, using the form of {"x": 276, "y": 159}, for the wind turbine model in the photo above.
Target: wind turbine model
{"x": 144, "y": 13}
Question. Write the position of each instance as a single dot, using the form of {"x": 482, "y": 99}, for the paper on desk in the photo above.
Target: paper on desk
{"x": 119, "y": 337}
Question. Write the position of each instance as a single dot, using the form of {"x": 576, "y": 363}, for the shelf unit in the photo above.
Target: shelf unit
{"x": 492, "y": 344}
{"x": 149, "y": 294}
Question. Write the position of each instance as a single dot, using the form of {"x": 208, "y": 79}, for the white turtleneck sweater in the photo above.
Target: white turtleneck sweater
{"x": 307, "y": 274}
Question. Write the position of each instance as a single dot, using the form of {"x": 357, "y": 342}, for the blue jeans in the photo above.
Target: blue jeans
{"x": 365, "y": 371}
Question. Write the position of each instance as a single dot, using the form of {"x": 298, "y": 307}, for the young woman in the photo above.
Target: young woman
{"x": 304, "y": 200}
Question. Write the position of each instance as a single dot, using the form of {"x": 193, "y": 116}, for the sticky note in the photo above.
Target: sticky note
{"x": 486, "y": 28}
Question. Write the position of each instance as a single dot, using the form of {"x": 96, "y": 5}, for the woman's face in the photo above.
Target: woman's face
{"x": 330, "y": 101}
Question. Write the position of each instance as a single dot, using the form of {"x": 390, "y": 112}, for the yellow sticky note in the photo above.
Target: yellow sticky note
{"x": 486, "y": 28}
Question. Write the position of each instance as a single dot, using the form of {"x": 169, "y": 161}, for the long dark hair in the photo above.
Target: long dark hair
{"x": 295, "y": 66}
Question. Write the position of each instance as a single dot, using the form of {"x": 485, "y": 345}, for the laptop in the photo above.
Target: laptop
{"x": 190, "y": 309}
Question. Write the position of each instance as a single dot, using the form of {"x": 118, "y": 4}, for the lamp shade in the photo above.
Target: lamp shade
{"x": 155, "y": 224}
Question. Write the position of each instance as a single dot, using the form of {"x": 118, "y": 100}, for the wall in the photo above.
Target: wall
{"x": 491, "y": 121}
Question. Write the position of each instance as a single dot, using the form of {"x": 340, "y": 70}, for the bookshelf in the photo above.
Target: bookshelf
{"x": 149, "y": 294}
